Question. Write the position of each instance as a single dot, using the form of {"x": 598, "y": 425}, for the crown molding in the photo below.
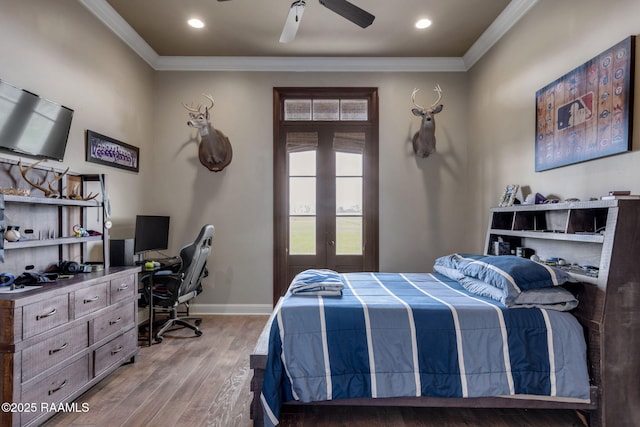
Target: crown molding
{"x": 109, "y": 17}
{"x": 515, "y": 10}
{"x": 105, "y": 13}
{"x": 307, "y": 64}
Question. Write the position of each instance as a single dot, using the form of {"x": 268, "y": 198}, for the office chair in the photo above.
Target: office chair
{"x": 170, "y": 289}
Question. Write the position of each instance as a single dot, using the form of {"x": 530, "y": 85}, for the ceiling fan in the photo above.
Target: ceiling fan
{"x": 343, "y": 8}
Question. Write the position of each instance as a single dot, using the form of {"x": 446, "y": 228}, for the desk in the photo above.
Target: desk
{"x": 148, "y": 292}
{"x": 172, "y": 264}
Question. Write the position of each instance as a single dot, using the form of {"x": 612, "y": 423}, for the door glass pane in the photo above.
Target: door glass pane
{"x": 349, "y": 236}
{"x": 348, "y": 195}
{"x": 297, "y": 109}
{"x": 354, "y": 109}
{"x": 302, "y": 163}
{"x": 348, "y": 164}
{"x": 326, "y": 109}
{"x": 302, "y": 195}
{"x": 302, "y": 235}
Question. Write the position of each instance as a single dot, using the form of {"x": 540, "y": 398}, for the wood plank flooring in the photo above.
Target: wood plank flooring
{"x": 193, "y": 381}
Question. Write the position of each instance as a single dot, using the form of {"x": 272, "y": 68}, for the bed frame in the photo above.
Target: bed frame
{"x": 605, "y": 234}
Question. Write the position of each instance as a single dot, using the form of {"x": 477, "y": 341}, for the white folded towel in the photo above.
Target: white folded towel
{"x": 317, "y": 282}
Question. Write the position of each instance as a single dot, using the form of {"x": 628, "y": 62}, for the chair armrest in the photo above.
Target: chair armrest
{"x": 159, "y": 273}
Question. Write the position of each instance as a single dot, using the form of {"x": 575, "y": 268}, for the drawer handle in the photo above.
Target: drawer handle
{"x": 93, "y": 299}
{"x": 117, "y": 350}
{"x": 43, "y": 316}
{"x": 55, "y": 350}
{"x": 114, "y": 321}
{"x": 123, "y": 287}
{"x": 64, "y": 383}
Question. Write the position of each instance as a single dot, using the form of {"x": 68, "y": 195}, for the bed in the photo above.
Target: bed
{"x": 404, "y": 335}
{"x": 490, "y": 349}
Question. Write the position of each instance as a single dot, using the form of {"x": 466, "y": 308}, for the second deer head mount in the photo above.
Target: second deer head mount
{"x": 214, "y": 149}
{"x": 424, "y": 141}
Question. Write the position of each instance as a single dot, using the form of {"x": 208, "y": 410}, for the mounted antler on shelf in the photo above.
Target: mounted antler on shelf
{"x": 48, "y": 192}
{"x": 75, "y": 195}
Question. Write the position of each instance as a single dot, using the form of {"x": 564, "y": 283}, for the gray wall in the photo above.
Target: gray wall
{"x": 551, "y": 40}
{"x": 420, "y": 199}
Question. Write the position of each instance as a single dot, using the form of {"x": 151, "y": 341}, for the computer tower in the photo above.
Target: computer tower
{"x": 121, "y": 252}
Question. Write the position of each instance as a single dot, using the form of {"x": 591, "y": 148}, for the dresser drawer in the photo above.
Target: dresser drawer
{"x": 57, "y": 386}
{"x": 44, "y": 315}
{"x": 113, "y": 351}
{"x": 40, "y": 357}
{"x": 90, "y": 299}
{"x": 113, "y": 321}
{"x": 123, "y": 288}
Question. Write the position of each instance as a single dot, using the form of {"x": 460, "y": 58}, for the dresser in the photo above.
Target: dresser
{"x": 58, "y": 340}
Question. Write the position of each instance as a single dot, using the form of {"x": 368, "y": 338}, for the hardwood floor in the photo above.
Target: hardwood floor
{"x": 204, "y": 381}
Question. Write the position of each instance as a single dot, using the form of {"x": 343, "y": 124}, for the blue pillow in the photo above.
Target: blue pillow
{"x": 512, "y": 272}
{"x": 514, "y": 281}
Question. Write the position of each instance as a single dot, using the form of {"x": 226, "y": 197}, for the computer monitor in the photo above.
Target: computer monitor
{"x": 152, "y": 233}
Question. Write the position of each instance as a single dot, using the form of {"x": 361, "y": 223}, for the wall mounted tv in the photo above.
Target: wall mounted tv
{"x": 32, "y": 125}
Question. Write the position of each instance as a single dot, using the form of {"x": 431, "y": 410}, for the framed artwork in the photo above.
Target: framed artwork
{"x": 111, "y": 152}
{"x": 588, "y": 112}
{"x": 508, "y": 196}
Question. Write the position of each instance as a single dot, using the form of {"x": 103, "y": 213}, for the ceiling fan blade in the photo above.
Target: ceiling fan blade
{"x": 349, "y": 11}
{"x": 293, "y": 21}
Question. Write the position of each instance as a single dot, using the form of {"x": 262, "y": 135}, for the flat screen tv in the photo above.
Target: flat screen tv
{"x": 152, "y": 233}
{"x": 32, "y": 125}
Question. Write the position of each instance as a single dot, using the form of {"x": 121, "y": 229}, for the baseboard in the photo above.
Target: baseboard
{"x": 260, "y": 309}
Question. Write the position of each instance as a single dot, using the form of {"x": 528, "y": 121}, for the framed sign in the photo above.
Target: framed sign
{"x": 111, "y": 152}
{"x": 587, "y": 113}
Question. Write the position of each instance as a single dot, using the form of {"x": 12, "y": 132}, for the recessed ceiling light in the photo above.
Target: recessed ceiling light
{"x": 423, "y": 23}
{"x": 195, "y": 23}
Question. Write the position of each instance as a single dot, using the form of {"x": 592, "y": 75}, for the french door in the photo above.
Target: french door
{"x": 326, "y": 181}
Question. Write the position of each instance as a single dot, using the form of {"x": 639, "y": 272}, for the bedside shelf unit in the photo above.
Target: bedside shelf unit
{"x": 605, "y": 235}
{"x": 579, "y": 233}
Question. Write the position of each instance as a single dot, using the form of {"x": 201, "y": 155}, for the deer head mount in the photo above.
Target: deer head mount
{"x": 424, "y": 141}
{"x": 214, "y": 149}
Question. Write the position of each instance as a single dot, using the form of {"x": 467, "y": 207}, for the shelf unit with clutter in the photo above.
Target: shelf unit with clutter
{"x": 572, "y": 233}
{"x": 45, "y": 225}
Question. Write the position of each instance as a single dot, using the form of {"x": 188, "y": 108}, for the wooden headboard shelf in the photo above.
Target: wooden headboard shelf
{"x": 599, "y": 241}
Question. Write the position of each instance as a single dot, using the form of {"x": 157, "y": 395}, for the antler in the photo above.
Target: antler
{"x": 199, "y": 109}
{"x": 56, "y": 178}
{"x": 192, "y": 108}
{"x": 75, "y": 195}
{"x": 413, "y": 99}
{"x": 210, "y": 98}
{"x": 50, "y": 192}
{"x": 436, "y": 89}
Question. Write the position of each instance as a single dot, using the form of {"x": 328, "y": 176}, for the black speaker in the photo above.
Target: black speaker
{"x": 121, "y": 252}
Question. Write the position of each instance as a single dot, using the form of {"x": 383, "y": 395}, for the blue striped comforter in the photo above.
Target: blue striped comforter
{"x": 394, "y": 334}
